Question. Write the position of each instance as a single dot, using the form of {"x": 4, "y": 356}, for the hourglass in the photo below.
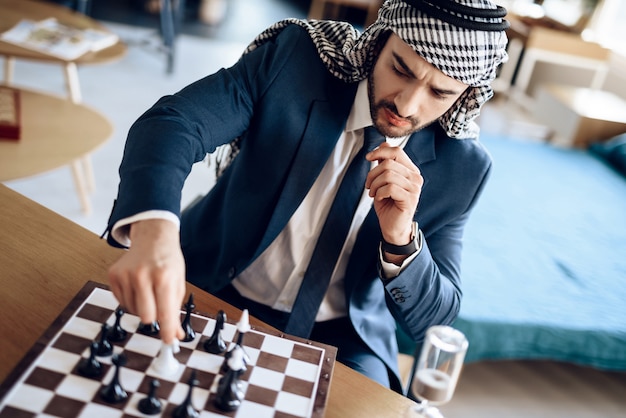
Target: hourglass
{"x": 438, "y": 369}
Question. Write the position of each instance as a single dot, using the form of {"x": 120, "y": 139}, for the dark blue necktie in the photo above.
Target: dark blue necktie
{"x": 331, "y": 240}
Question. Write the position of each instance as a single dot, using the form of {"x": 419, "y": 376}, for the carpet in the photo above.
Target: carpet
{"x": 544, "y": 270}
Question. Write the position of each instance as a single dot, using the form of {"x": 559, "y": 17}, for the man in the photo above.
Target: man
{"x": 298, "y": 105}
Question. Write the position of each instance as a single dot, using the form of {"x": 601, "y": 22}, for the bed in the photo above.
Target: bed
{"x": 544, "y": 270}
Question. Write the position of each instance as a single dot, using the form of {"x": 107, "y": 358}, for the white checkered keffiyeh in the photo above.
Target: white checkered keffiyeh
{"x": 467, "y": 55}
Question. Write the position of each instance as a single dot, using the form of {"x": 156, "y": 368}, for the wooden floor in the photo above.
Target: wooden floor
{"x": 537, "y": 389}
{"x": 533, "y": 389}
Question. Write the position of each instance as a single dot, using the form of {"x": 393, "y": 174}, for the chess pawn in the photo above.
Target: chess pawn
{"x": 186, "y": 409}
{"x": 105, "y": 348}
{"x": 166, "y": 364}
{"x": 90, "y": 367}
{"x": 114, "y": 392}
{"x": 118, "y": 334}
{"x": 151, "y": 405}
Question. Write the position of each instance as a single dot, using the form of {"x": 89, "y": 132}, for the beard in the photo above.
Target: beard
{"x": 378, "y": 109}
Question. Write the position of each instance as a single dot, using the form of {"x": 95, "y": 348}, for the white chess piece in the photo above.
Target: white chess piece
{"x": 166, "y": 364}
{"x": 243, "y": 325}
{"x": 236, "y": 360}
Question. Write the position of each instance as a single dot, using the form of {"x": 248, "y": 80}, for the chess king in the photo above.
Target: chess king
{"x": 279, "y": 233}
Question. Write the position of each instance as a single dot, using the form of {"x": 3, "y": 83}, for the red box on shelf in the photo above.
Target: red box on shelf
{"x": 9, "y": 113}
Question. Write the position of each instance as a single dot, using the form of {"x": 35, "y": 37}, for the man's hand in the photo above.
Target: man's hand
{"x": 149, "y": 279}
{"x": 395, "y": 184}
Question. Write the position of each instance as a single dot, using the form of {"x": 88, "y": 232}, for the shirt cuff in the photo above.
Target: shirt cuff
{"x": 121, "y": 228}
{"x": 391, "y": 270}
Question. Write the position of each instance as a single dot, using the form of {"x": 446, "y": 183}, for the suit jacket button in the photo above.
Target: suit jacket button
{"x": 400, "y": 299}
{"x": 231, "y": 273}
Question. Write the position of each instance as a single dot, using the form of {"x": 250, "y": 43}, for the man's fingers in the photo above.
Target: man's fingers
{"x": 168, "y": 315}
{"x": 387, "y": 152}
{"x": 122, "y": 290}
{"x": 145, "y": 304}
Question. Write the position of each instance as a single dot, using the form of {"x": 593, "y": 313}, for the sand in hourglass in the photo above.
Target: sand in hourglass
{"x": 432, "y": 385}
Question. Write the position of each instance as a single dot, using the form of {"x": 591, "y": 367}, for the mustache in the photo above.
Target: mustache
{"x": 385, "y": 104}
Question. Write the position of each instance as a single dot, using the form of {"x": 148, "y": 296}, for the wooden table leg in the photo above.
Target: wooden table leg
{"x": 78, "y": 173}
{"x": 90, "y": 181}
{"x": 82, "y": 168}
{"x": 73, "y": 83}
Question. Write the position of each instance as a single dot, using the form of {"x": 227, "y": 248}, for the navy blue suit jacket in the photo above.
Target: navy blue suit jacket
{"x": 289, "y": 112}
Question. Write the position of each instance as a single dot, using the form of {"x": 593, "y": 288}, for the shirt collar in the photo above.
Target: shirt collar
{"x": 360, "y": 117}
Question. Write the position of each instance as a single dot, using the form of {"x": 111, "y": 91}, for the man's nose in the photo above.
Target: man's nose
{"x": 409, "y": 101}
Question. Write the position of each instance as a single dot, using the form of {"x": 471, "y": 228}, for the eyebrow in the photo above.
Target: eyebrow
{"x": 410, "y": 73}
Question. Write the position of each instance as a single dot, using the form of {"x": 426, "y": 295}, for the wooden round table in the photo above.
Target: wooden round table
{"x": 54, "y": 132}
{"x": 12, "y": 11}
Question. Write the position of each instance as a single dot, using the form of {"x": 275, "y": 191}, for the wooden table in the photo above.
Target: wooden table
{"x": 45, "y": 260}
{"x": 54, "y": 132}
{"x": 12, "y": 11}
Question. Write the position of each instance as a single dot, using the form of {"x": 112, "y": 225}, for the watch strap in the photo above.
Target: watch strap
{"x": 407, "y": 249}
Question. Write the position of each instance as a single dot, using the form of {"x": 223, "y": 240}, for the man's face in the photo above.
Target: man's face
{"x": 406, "y": 92}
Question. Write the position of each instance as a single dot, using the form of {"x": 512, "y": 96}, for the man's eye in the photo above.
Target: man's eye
{"x": 398, "y": 71}
{"x": 439, "y": 94}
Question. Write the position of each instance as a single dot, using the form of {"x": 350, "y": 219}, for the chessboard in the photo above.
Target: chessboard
{"x": 285, "y": 376}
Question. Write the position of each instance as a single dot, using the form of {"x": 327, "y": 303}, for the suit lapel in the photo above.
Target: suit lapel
{"x": 421, "y": 147}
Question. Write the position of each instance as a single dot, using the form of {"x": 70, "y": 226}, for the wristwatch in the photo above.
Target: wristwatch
{"x": 407, "y": 249}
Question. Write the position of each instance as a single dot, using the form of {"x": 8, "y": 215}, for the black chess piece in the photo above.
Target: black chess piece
{"x": 151, "y": 405}
{"x": 190, "y": 334}
{"x": 152, "y": 329}
{"x": 186, "y": 409}
{"x": 215, "y": 343}
{"x": 114, "y": 392}
{"x": 105, "y": 348}
{"x": 90, "y": 367}
{"x": 229, "y": 392}
{"x": 118, "y": 334}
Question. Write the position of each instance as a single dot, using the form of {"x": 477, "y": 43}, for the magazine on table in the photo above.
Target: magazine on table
{"x": 50, "y": 37}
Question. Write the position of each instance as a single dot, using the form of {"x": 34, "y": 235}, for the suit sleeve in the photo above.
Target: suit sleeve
{"x": 180, "y": 129}
{"x": 428, "y": 290}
